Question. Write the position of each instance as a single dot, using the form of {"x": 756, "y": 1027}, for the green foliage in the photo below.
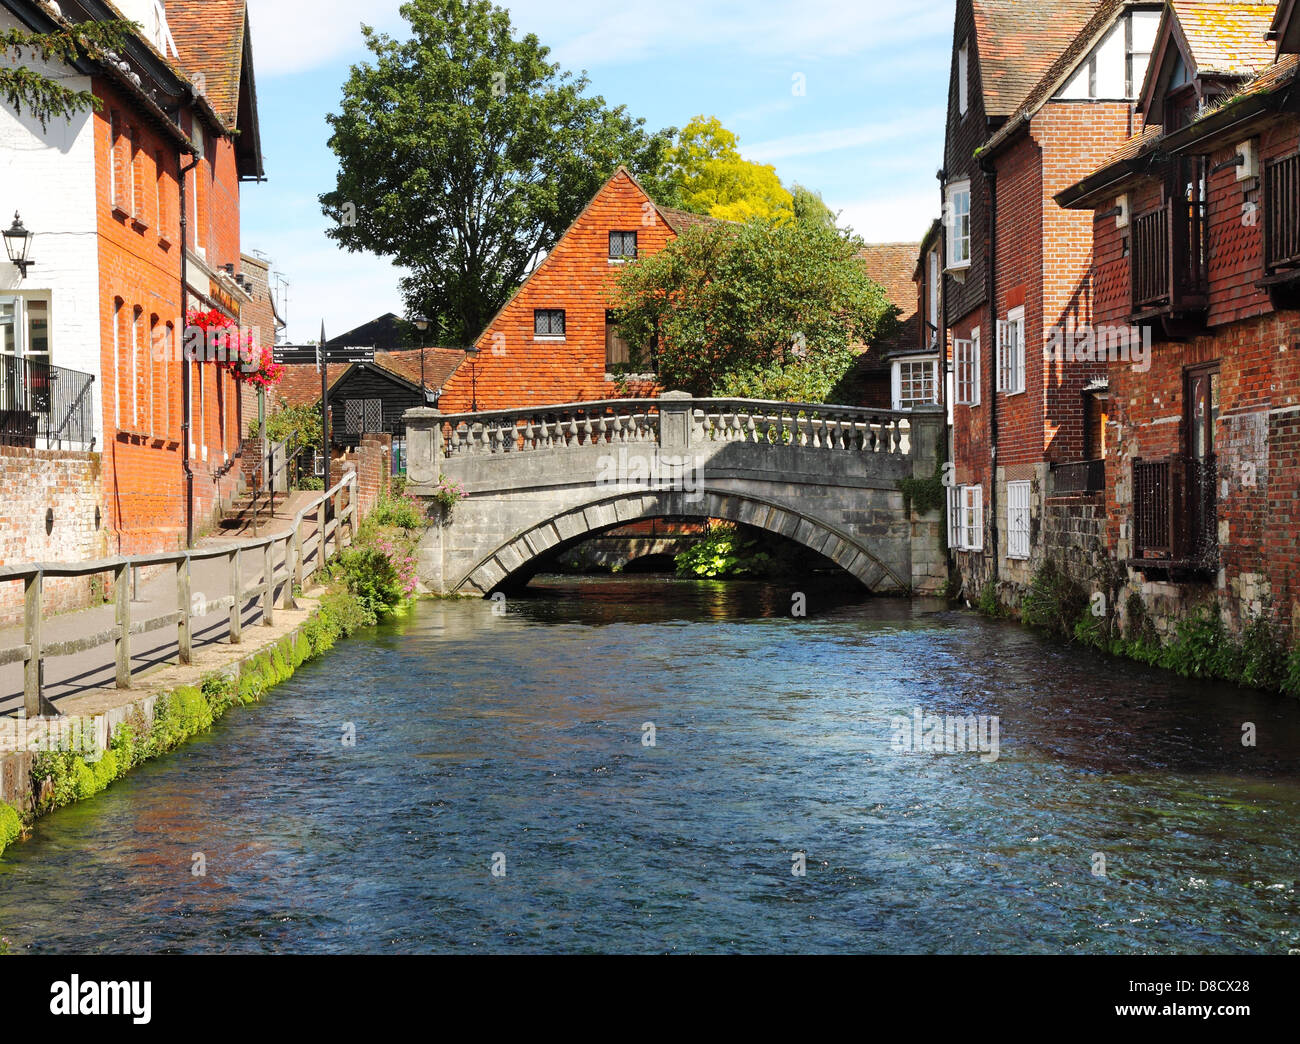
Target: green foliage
{"x": 713, "y": 178}
{"x": 810, "y": 208}
{"x": 11, "y": 826}
{"x": 988, "y": 603}
{"x": 43, "y": 98}
{"x": 1053, "y": 601}
{"x": 299, "y": 423}
{"x": 1263, "y": 654}
{"x": 723, "y": 552}
{"x": 754, "y": 308}
{"x": 464, "y": 155}
{"x": 374, "y": 575}
{"x": 923, "y": 495}
{"x": 398, "y": 510}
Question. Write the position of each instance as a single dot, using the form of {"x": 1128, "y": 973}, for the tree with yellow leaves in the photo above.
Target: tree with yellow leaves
{"x": 714, "y": 179}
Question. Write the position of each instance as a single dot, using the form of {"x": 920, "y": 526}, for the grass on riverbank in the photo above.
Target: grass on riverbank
{"x": 1201, "y": 646}
{"x": 367, "y": 582}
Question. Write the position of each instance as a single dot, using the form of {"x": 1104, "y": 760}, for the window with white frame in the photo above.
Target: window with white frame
{"x": 966, "y": 369}
{"x": 957, "y": 219}
{"x": 1017, "y": 519}
{"x": 916, "y": 382}
{"x": 966, "y": 518}
{"x": 963, "y": 78}
{"x": 1011, "y": 352}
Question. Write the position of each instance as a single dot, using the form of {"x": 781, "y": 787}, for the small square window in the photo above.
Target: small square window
{"x": 548, "y": 322}
{"x": 622, "y": 245}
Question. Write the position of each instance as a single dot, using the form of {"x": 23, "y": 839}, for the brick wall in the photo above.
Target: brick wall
{"x": 372, "y": 461}
{"x": 69, "y": 485}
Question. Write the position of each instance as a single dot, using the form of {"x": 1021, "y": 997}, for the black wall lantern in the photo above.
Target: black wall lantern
{"x": 18, "y": 241}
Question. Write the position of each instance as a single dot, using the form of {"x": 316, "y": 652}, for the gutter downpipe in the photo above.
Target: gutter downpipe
{"x": 991, "y": 180}
{"x": 186, "y": 418}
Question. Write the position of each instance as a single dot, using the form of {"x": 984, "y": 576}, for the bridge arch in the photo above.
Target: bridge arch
{"x": 516, "y": 554}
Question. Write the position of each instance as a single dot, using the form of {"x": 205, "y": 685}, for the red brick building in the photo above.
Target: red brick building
{"x": 1040, "y": 94}
{"x": 555, "y": 340}
{"x": 1197, "y": 243}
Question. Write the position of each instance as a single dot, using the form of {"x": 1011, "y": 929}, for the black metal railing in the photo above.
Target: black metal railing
{"x": 45, "y": 406}
{"x": 1282, "y": 213}
{"x": 1175, "y": 511}
{"x": 1084, "y": 476}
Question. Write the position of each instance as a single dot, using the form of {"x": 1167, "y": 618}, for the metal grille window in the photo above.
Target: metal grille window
{"x": 1017, "y": 519}
{"x": 1011, "y": 352}
{"x": 548, "y": 322}
{"x": 622, "y": 245}
{"x": 966, "y": 362}
{"x": 362, "y": 415}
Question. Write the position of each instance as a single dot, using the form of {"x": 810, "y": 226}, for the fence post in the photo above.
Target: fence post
{"x": 122, "y": 617}
{"x": 32, "y": 638}
{"x": 290, "y": 570}
{"x": 320, "y": 528}
{"x": 268, "y": 585}
{"x": 297, "y": 554}
{"x": 237, "y": 592}
{"x": 184, "y": 625}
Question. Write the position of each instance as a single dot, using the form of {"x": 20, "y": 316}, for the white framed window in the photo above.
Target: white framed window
{"x": 966, "y": 518}
{"x": 1017, "y": 519}
{"x": 972, "y": 518}
{"x": 957, "y": 221}
{"x": 915, "y": 382}
{"x": 963, "y": 78}
{"x": 1011, "y": 352}
{"x": 966, "y": 370}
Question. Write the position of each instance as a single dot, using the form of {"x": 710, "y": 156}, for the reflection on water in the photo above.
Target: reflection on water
{"x": 522, "y": 734}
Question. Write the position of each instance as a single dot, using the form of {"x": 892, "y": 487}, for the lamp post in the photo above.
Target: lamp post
{"x": 18, "y": 242}
{"x": 472, "y": 351}
{"x": 422, "y": 325}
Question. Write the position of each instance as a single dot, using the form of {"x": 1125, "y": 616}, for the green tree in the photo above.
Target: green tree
{"x": 40, "y": 96}
{"x": 760, "y": 310}
{"x": 713, "y": 178}
{"x": 464, "y": 155}
{"x": 810, "y": 208}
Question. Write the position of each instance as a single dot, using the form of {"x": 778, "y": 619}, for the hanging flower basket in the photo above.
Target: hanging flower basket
{"x": 224, "y": 346}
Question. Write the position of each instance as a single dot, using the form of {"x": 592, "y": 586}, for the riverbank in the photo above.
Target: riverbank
{"x": 101, "y": 735}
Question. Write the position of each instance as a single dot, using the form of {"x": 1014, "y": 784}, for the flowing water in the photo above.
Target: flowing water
{"x": 1122, "y": 812}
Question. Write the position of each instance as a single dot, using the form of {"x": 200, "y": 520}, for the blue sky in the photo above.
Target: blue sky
{"x": 866, "y": 131}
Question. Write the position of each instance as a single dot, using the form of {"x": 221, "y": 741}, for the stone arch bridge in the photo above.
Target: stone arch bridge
{"x": 542, "y": 479}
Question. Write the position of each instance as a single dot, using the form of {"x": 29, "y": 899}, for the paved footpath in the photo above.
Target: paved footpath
{"x": 74, "y": 675}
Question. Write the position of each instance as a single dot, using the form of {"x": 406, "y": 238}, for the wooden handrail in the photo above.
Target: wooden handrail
{"x": 33, "y": 650}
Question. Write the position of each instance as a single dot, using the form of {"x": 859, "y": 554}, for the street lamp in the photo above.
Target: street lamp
{"x": 18, "y": 241}
{"x": 422, "y": 325}
{"x": 472, "y": 351}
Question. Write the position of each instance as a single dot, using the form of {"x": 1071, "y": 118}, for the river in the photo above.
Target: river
{"x": 644, "y": 762}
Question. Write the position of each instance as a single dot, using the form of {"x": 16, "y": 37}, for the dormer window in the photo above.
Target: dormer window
{"x": 1117, "y": 66}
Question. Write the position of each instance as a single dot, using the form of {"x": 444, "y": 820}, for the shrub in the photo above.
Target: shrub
{"x": 11, "y": 826}
{"x": 404, "y": 512}
{"x": 1053, "y": 601}
{"x": 723, "y": 552}
{"x": 381, "y": 577}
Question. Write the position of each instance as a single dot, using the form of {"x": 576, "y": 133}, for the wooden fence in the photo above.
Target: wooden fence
{"x": 329, "y": 513}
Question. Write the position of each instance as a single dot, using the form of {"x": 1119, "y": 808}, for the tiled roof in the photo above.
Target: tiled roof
{"x": 439, "y": 364}
{"x": 680, "y": 220}
{"x": 301, "y": 381}
{"x": 1018, "y": 42}
{"x": 1227, "y": 38}
{"x": 893, "y": 265}
{"x": 1041, "y": 92}
{"x": 209, "y": 35}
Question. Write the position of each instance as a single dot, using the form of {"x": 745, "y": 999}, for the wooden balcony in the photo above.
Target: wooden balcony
{"x": 1175, "y": 515}
{"x": 1168, "y": 265}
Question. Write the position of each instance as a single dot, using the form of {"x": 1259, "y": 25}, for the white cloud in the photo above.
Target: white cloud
{"x": 900, "y": 218}
{"x": 291, "y": 36}
{"x": 818, "y": 142}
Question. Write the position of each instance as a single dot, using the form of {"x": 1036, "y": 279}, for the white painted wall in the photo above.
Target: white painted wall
{"x": 48, "y": 176}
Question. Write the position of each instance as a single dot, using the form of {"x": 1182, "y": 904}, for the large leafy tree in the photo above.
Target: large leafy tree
{"x": 713, "y": 178}
{"x": 464, "y": 155}
{"x": 42, "y": 97}
{"x": 760, "y": 310}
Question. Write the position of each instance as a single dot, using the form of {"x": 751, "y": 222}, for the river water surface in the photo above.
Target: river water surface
{"x": 520, "y": 741}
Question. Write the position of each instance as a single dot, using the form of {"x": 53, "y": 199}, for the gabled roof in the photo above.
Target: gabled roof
{"x": 301, "y": 381}
{"x": 388, "y": 332}
{"x": 1017, "y": 42}
{"x": 1226, "y": 37}
{"x": 1218, "y": 39}
{"x": 215, "y": 42}
{"x": 1060, "y": 70}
